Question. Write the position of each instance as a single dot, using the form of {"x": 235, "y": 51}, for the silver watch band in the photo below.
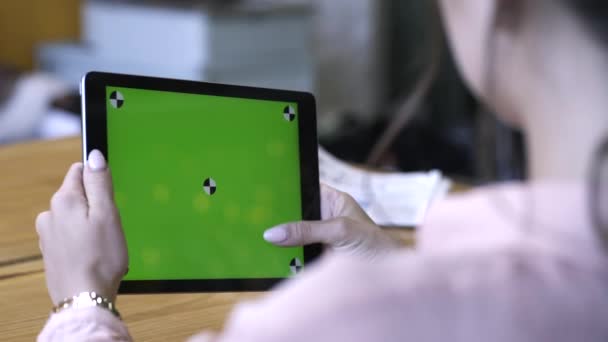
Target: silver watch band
{"x": 87, "y": 300}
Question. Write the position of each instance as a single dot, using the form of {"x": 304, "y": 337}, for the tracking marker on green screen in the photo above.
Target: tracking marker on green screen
{"x": 117, "y": 99}
{"x": 289, "y": 113}
{"x": 209, "y": 186}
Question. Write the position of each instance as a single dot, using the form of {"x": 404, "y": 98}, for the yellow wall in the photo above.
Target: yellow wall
{"x": 25, "y": 23}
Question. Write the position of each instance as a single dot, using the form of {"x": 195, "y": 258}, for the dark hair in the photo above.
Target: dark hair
{"x": 599, "y": 195}
{"x": 594, "y": 16}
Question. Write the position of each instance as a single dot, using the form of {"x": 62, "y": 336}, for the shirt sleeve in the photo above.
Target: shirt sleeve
{"x": 346, "y": 299}
{"x": 509, "y": 295}
{"x": 84, "y": 324}
{"x": 333, "y": 302}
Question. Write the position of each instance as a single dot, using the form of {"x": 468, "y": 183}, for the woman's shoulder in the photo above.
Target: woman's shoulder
{"x": 483, "y": 215}
{"x": 550, "y": 216}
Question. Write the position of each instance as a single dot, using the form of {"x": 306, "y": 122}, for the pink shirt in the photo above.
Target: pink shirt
{"x": 508, "y": 263}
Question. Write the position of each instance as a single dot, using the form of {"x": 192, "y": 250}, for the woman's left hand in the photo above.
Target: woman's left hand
{"x": 81, "y": 237}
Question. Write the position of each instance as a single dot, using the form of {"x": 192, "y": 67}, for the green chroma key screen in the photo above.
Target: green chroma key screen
{"x": 199, "y": 178}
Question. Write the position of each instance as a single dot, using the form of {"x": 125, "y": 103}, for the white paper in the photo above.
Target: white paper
{"x": 390, "y": 199}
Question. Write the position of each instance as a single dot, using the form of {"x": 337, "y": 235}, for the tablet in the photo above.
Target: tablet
{"x": 200, "y": 171}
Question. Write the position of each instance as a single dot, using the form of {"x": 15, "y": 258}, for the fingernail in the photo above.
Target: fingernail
{"x": 275, "y": 235}
{"x": 96, "y": 161}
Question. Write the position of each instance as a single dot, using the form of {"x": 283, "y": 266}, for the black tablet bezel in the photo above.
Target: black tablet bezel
{"x": 94, "y": 126}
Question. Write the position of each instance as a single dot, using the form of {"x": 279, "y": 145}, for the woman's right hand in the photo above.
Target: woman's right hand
{"x": 345, "y": 228}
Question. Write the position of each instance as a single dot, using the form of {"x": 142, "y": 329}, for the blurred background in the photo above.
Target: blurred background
{"x": 387, "y": 89}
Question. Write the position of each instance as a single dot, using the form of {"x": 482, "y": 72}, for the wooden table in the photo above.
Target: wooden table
{"x": 29, "y": 175}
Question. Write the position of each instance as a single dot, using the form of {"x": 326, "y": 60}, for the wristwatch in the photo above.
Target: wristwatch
{"x": 87, "y": 300}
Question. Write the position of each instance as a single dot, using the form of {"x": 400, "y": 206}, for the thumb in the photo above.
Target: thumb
{"x": 97, "y": 182}
{"x": 331, "y": 232}
{"x": 335, "y": 203}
